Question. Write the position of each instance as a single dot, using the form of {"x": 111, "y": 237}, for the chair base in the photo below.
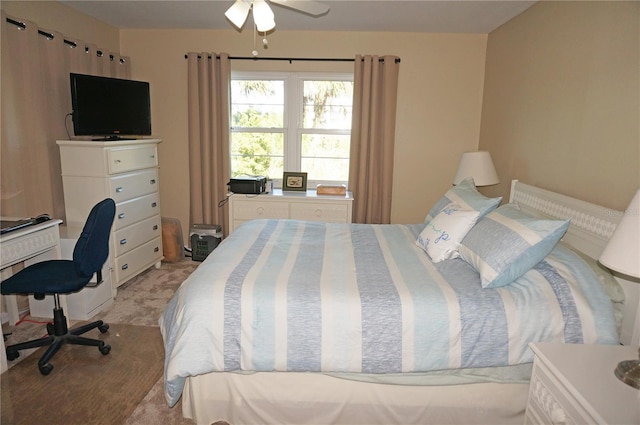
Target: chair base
{"x": 58, "y": 335}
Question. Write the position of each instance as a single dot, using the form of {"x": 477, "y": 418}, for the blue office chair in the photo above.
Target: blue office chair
{"x": 56, "y": 277}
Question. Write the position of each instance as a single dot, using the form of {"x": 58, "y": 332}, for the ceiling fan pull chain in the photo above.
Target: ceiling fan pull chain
{"x": 255, "y": 51}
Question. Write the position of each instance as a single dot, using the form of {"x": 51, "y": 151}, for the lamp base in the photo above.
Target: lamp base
{"x": 628, "y": 371}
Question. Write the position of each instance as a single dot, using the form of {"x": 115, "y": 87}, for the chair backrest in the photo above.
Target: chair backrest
{"x": 92, "y": 249}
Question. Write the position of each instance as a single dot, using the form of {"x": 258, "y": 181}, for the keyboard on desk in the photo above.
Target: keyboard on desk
{"x": 7, "y": 226}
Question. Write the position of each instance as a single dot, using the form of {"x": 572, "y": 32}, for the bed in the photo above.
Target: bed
{"x": 304, "y": 322}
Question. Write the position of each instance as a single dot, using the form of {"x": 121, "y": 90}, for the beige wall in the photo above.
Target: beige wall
{"x": 559, "y": 104}
{"x": 440, "y": 92}
{"x": 561, "y": 100}
{"x": 54, "y": 16}
{"x": 440, "y": 96}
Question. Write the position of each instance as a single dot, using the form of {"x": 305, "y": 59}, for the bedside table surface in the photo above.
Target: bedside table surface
{"x": 587, "y": 372}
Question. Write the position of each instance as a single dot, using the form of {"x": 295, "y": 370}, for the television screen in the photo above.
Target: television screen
{"x": 110, "y": 107}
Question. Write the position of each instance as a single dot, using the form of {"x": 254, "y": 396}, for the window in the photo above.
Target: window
{"x": 291, "y": 122}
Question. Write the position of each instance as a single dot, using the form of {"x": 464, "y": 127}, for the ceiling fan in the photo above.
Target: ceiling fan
{"x": 263, "y": 15}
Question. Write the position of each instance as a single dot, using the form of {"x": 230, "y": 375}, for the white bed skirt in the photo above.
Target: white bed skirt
{"x": 305, "y": 398}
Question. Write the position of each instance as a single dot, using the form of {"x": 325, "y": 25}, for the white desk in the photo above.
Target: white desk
{"x": 30, "y": 245}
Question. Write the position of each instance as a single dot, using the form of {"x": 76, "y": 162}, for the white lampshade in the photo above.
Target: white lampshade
{"x": 622, "y": 253}
{"x": 479, "y": 166}
{"x": 238, "y": 13}
{"x": 263, "y": 16}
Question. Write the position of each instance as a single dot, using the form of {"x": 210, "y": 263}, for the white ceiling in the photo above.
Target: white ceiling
{"x": 457, "y": 16}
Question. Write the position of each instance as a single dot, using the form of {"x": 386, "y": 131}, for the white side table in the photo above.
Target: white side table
{"x": 576, "y": 384}
{"x": 280, "y": 204}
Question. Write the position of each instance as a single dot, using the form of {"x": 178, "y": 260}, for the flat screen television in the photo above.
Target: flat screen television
{"x": 110, "y": 108}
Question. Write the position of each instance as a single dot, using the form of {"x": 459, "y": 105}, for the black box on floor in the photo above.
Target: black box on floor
{"x": 204, "y": 239}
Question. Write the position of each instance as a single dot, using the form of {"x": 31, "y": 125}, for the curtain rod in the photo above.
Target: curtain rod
{"x": 50, "y": 36}
{"x": 258, "y": 58}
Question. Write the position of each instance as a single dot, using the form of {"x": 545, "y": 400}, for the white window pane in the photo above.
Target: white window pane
{"x": 258, "y": 154}
{"x": 325, "y": 156}
{"x": 327, "y": 104}
{"x": 257, "y": 116}
{"x": 257, "y": 103}
{"x": 326, "y": 169}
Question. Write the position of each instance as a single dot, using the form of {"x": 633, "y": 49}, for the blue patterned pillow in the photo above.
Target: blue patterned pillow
{"x": 467, "y": 196}
{"x": 506, "y": 243}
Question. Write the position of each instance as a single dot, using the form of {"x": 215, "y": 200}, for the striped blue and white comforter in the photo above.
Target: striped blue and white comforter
{"x": 282, "y": 295}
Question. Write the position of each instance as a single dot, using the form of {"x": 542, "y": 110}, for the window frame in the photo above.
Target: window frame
{"x": 292, "y": 121}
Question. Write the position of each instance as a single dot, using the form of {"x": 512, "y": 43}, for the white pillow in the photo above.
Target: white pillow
{"x": 442, "y": 235}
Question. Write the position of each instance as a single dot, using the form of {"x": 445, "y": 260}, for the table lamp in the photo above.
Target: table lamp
{"x": 479, "y": 166}
{"x": 622, "y": 254}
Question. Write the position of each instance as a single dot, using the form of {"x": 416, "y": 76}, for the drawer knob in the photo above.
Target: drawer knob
{"x": 152, "y": 181}
{"x": 117, "y": 161}
{"x": 123, "y": 241}
{"x": 260, "y": 210}
{"x": 155, "y": 227}
{"x": 125, "y": 267}
{"x": 154, "y": 204}
{"x": 121, "y": 215}
{"x": 156, "y": 249}
{"x": 318, "y": 212}
{"x": 119, "y": 189}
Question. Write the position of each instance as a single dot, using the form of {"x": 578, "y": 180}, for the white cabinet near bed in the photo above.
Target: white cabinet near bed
{"x": 127, "y": 172}
{"x": 576, "y": 384}
{"x": 308, "y": 206}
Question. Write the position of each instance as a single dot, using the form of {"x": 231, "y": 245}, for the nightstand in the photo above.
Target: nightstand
{"x": 575, "y": 384}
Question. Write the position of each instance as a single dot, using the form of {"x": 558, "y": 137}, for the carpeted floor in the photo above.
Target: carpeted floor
{"x": 83, "y": 379}
{"x": 138, "y": 304}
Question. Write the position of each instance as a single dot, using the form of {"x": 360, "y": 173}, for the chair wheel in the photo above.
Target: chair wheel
{"x": 104, "y": 328}
{"x": 45, "y": 369}
{"x": 105, "y": 349}
{"x": 12, "y": 355}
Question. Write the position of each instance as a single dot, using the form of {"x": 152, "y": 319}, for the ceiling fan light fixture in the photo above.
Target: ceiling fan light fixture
{"x": 238, "y": 13}
{"x": 263, "y": 16}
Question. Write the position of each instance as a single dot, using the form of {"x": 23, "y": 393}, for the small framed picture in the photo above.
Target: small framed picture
{"x": 294, "y": 181}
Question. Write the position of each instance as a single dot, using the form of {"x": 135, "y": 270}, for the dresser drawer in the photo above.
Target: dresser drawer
{"x": 132, "y": 185}
{"x": 134, "y": 261}
{"x": 255, "y": 209}
{"x": 128, "y": 238}
{"x": 310, "y": 211}
{"x": 125, "y": 159}
{"x": 137, "y": 209}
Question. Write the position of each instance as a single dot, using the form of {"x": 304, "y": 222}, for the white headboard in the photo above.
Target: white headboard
{"x": 589, "y": 231}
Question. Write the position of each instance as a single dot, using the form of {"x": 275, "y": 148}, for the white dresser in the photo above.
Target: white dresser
{"x": 127, "y": 172}
{"x": 576, "y": 384}
{"x": 307, "y": 206}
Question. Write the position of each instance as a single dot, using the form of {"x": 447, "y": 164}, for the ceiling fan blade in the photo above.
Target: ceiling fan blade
{"x": 310, "y": 7}
{"x": 238, "y": 13}
{"x": 263, "y": 16}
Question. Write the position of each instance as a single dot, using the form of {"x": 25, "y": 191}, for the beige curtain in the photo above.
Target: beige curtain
{"x": 36, "y": 102}
{"x": 209, "y": 85}
{"x": 372, "y": 137}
